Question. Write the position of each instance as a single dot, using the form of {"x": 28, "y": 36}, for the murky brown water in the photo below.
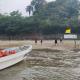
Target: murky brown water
{"x": 45, "y": 65}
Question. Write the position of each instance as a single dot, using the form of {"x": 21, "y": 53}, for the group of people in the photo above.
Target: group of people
{"x": 41, "y": 41}
{"x": 56, "y": 41}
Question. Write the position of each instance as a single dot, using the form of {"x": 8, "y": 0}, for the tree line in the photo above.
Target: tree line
{"x": 44, "y": 18}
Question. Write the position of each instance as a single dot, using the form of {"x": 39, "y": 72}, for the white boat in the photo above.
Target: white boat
{"x": 12, "y": 59}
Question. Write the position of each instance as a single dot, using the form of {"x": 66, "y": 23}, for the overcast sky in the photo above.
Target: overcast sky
{"x": 7, "y": 6}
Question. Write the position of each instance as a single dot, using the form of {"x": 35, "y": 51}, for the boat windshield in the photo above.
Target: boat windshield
{"x": 9, "y": 49}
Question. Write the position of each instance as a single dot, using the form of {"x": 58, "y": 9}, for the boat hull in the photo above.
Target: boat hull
{"x": 13, "y": 59}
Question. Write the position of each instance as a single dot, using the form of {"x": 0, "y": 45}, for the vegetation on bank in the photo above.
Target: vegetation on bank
{"x": 44, "y": 18}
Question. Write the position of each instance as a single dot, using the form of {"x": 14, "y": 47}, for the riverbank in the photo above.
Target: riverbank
{"x": 47, "y": 44}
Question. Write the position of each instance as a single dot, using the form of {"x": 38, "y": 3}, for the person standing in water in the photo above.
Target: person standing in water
{"x": 55, "y": 41}
{"x": 36, "y": 41}
{"x": 41, "y": 41}
{"x": 61, "y": 40}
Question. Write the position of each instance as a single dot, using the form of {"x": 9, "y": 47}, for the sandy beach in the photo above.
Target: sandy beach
{"x": 47, "y": 44}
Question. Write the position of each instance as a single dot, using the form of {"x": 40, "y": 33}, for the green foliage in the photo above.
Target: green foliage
{"x": 47, "y": 18}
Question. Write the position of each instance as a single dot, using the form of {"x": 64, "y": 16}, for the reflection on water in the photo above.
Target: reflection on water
{"x": 45, "y": 65}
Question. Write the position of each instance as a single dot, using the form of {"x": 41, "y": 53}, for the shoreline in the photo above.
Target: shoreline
{"x": 47, "y": 44}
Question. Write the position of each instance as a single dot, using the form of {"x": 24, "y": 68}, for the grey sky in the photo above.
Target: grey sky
{"x": 7, "y": 6}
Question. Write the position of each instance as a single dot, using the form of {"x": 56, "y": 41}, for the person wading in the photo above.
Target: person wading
{"x": 36, "y": 41}
{"x": 55, "y": 41}
{"x": 41, "y": 41}
{"x": 61, "y": 40}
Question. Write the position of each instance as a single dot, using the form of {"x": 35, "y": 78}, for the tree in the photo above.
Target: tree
{"x": 29, "y": 9}
{"x": 38, "y": 5}
{"x": 15, "y": 13}
{"x": 47, "y": 18}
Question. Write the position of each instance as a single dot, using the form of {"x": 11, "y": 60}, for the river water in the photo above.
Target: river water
{"x": 45, "y": 65}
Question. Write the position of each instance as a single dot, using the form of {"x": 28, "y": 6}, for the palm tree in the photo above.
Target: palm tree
{"x": 29, "y": 9}
{"x": 37, "y": 4}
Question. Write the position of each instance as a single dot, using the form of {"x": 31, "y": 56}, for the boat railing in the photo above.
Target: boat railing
{"x": 21, "y": 48}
